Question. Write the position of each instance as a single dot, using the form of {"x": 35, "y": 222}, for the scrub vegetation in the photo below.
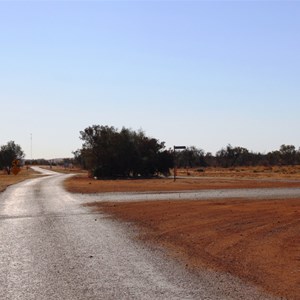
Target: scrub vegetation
{"x": 8, "y": 153}
{"x": 238, "y": 157}
{"x": 109, "y": 153}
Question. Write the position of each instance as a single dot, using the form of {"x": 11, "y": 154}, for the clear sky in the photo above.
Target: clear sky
{"x": 201, "y": 73}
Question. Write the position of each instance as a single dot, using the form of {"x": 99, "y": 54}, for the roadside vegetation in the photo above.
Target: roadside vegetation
{"x": 11, "y": 169}
{"x": 109, "y": 153}
{"x": 8, "y": 154}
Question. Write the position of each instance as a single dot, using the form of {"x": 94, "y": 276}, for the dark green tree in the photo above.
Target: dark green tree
{"x": 288, "y": 154}
{"x": 233, "y": 156}
{"x": 110, "y": 153}
{"x": 8, "y": 153}
{"x": 191, "y": 157}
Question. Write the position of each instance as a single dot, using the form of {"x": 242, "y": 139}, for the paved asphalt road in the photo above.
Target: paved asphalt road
{"x": 53, "y": 248}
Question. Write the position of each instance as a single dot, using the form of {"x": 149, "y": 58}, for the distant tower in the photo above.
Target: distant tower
{"x": 31, "y": 146}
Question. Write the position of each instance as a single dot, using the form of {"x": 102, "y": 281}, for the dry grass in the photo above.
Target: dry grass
{"x": 275, "y": 172}
{"x": 59, "y": 169}
{"x": 212, "y": 178}
{"x": 7, "y": 180}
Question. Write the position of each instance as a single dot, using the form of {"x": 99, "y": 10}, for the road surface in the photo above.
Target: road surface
{"x": 254, "y": 193}
{"x": 54, "y": 248}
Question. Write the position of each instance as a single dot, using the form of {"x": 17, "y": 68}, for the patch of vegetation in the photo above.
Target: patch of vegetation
{"x": 109, "y": 153}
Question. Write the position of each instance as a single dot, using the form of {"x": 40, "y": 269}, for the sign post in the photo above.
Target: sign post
{"x": 175, "y": 165}
{"x": 16, "y": 166}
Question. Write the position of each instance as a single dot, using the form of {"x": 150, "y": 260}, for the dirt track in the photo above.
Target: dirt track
{"x": 257, "y": 241}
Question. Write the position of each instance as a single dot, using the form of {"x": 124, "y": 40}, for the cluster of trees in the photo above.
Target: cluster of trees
{"x": 50, "y": 162}
{"x": 8, "y": 153}
{"x": 109, "y": 153}
{"x": 237, "y": 156}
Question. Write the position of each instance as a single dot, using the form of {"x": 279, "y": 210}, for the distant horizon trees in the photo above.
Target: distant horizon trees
{"x": 237, "y": 157}
{"x": 110, "y": 153}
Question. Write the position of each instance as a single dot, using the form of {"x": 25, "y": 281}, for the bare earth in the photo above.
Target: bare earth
{"x": 256, "y": 240}
{"x": 212, "y": 178}
{"x": 7, "y": 180}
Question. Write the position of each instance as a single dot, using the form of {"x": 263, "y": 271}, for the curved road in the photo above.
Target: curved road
{"x": 54, "y": 248}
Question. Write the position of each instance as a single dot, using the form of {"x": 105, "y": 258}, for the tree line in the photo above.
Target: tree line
{"x": 237, "y": 156}
{"x": 111, "y": 153}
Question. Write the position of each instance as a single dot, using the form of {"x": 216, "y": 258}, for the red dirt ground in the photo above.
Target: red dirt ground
{"x": 7, "y": 180}
{"x": 258, "y": 241}
{"x": 81, "y": 184}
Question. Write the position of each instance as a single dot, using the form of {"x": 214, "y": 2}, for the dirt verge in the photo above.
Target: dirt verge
{"x": 79, "y": 184}
{"x": 7, "y": 180}
{"x": 257, "y": 241}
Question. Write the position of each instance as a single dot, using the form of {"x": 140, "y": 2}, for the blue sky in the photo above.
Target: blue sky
{"x": 201, "y": 73}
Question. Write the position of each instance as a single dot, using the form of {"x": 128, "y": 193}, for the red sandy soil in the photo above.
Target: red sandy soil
{"x": 7, "y": 180}
{"x": 211, "y": 178}
{"x": 81, "y": 184}
{"x": 258, "y": 241}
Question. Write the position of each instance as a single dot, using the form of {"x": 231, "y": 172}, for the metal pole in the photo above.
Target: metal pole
{"x": 175, "y": 161}
{"x": 31, "y": 146}
{"x": 174, "y": 165}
